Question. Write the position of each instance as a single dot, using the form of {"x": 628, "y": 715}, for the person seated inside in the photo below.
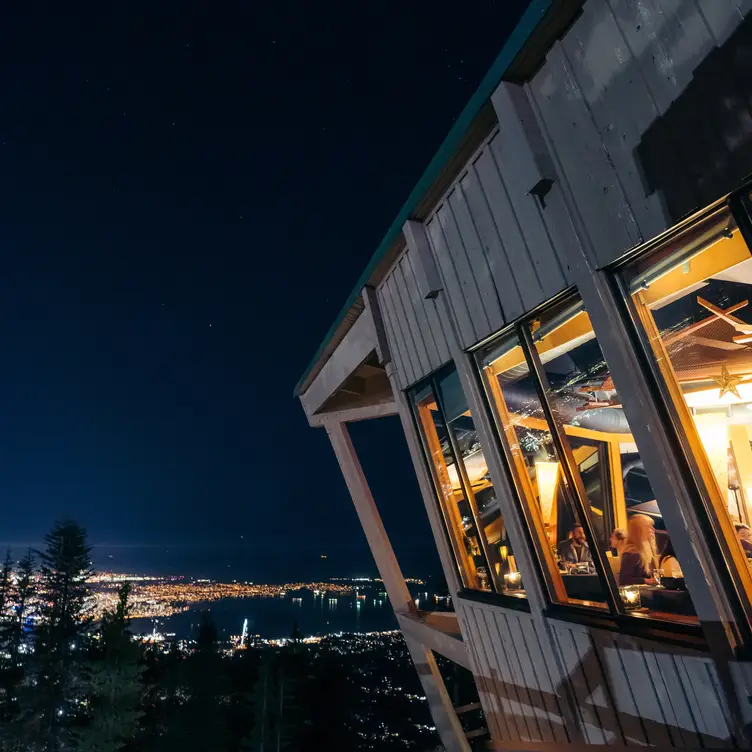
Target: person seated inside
{"x": 744, "y": 534}
{"x": 638, "y": 558}
{"x": 617, "y": 542}
{"x": 668, "y": 562}
{"x": 616, "y": 546}
{"x": 575, "y": 549}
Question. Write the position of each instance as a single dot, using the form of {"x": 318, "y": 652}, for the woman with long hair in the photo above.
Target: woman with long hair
{"x": 638, "y": 558}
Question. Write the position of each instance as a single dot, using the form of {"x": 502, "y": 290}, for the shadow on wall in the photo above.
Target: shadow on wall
{"x": 619, "y": 694}
{"x": 701, "y": 148}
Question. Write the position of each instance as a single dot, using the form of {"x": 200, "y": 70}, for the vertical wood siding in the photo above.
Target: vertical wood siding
{"x": 516, "y": 674}
{"x": 494, "y": 248}
{"x": 626, "y": 691}
{"x": 417, "y": 337}
{"x": 617, "y": 104}
{"x": 646, "y": 110}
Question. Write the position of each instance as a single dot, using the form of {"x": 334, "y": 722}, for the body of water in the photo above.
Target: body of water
{"x": 275, "y": 617}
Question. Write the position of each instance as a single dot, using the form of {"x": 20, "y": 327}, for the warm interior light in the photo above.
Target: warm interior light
{"x": 547, "y": 474}
{"x": 713, "y": 431}
{"x": 476, "y": 468}
{"x": 710, "y": 397}
{"x": 630, "y": 596}
{"x": 512, "y": 580}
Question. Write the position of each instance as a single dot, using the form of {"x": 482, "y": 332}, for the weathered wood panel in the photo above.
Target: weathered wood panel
{"x": 519, "y": 678}
{"x": 494, "y": 249}
{"x": 626, "y": 691}
{"x": 639, "y": 693}
{"x": 723, "y": 16}
{"x": 417, "y": 337}
{"x": 589, "y": 171}
{"x": 646, "y": 109}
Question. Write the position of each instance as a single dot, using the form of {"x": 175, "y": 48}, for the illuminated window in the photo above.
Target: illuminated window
{"x": 468, "y": 501}
{"x": 690, "y": 298}
{"x": 577, "y": 469}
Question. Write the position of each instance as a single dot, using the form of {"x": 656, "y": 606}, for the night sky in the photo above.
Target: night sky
{"x": 189, "y": 192}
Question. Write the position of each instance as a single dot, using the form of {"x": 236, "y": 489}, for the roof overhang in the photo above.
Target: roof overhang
{"x": 524, "y": 52}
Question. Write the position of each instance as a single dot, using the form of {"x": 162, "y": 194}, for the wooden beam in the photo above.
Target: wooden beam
{"x": 354, "y": 385}
{"x": 373, "y": 309}
{"x": 582, "y": 433}
{"x": 426, "y": 272}
{"x": 435, "y": 638}
{"x": 370, "y": 519}
{"x": 354, "y": 414}
{"x": 354, "y": 349}
{"x": 448, "y": 725}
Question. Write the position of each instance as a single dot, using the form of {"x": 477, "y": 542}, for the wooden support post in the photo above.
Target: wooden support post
{"x": 448, "y": 725}
{"x": 369, "y": 517}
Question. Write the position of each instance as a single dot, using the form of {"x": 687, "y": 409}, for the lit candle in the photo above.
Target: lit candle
{"x": 512, "y": 580}
{"x": 630, "y": 596}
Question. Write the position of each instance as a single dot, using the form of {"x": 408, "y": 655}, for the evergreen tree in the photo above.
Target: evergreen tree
{"x": 262, "y": 735}
{"x": 6, "y": 590}
{"x": 59, "y": 649}
{"x": 113, "y": 681}
{"x": 16, "y": 683}
{"x": 279, "y": 722}
{"x": 6, "y": 665}
{"x": 23, "y": 596}
{"x": 200, "y": 722}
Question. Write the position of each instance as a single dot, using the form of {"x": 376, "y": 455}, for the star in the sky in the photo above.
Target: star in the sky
{"x": 727, "y": 383}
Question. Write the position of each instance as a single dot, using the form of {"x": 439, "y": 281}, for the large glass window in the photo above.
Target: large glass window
{"x": 597, "y": 526}
{"x": 691, "y": 298}
{"x": 469, "y": 505}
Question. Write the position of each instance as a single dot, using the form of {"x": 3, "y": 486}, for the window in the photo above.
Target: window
{"x": 690, "y": 298}
{"x": 595, "y": 521}
{"x": 468, "y": 502}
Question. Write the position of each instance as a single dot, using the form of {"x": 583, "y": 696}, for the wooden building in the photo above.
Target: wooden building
{"x": 560, "y": 317}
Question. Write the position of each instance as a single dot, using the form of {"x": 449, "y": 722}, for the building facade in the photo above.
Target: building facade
{"x": 560, "y": 317}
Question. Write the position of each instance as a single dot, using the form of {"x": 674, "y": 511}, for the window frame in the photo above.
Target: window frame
{"x": 493, "y": 596}
{"x": 616, "y": 617}
{"x": 739, "y": 205}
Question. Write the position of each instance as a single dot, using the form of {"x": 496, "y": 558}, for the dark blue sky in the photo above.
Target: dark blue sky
{"x": 189, "y": 191}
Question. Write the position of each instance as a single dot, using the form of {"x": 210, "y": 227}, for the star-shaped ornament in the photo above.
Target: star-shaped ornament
{"x": 727, "y": 383}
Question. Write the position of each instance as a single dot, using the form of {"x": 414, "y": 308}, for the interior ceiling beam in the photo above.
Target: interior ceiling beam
{"x": 354, "y": 385}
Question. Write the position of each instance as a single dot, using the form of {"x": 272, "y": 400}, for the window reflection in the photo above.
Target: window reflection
{"x": 468, "y": 501}
{"x": 692, "y": 299}
{"x": 600, "y": 473}
{"x": 539, "y": 478}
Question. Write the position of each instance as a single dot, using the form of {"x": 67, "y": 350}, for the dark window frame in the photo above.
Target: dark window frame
{"x": 493, "y": 596}
{"x": 739, "y": 204}
{"x": 616, "y": 618}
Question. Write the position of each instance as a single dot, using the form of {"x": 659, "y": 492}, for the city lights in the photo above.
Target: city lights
{"x": 160, "y": 597}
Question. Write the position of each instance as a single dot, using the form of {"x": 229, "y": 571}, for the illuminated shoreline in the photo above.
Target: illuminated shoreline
{"x": 160, "y": 597}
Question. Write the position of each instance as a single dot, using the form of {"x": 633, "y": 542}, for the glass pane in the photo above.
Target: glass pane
{"x": 692, "y": 298}
{"x": 624, "y": 514}
{"x": 454, "y": 506}
{"x": 494, "y": 537}
{"x": 540, "y": 482}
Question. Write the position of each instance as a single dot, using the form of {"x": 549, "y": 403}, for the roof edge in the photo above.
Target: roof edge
{"x": 527, "y": 24}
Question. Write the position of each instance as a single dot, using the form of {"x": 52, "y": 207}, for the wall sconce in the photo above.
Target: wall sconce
{"x": 547, "y": 475}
